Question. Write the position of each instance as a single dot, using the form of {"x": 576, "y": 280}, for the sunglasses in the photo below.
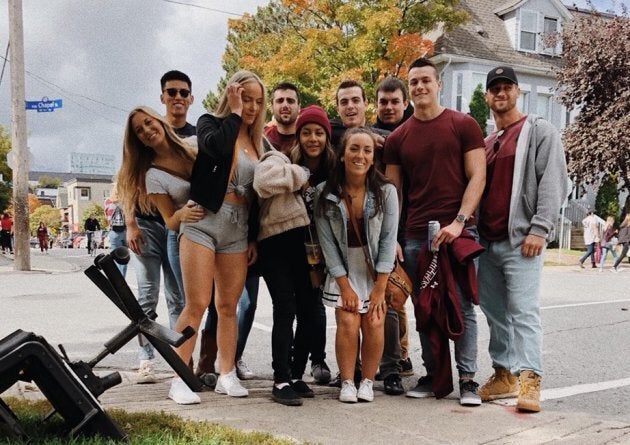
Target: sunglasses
{"x": 497, "y": 142}
{"x": 172, "y": 92}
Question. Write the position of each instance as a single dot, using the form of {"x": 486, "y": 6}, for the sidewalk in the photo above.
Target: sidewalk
{"x": 387, "y": 420}
{"x": 39, "y": 263}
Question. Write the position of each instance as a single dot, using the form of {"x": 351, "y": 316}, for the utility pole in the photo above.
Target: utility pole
{"x": 18, "y": 139}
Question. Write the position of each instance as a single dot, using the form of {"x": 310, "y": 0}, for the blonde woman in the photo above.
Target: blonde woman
{"x": 216, "y": 248}
{"x": 608, "y": 232}
{"x": 153, "y": 183}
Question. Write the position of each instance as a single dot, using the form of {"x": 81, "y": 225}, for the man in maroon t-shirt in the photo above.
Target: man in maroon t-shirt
{"x": 526, "y": 184}
{"x": 285, "y": 107}
{"x": 440, "y": 153}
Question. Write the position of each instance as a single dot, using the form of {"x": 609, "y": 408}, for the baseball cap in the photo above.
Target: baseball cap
{"x": 501, "y": 72}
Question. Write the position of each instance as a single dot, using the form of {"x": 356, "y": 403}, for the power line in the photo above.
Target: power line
{"x": 204, "y": 7}
{"x": 65, "y": 94}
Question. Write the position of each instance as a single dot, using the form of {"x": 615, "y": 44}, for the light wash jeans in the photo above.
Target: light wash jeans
{"x": 608, "y": 247}
{"x": 118, "y": 239}
{"x": 172, "y": 251}
{"x": 147, "y": 265}
{"x": 509, "y": 285}
{"x": 466, "y": 345}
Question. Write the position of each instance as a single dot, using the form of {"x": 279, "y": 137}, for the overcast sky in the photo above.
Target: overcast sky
{"x": 113, "y": 52}
{"x": 104, "y": 57}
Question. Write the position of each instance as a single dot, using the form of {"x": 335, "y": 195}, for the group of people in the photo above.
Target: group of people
{"x": 322, "y": 209}
{"x": 601, "y": 238}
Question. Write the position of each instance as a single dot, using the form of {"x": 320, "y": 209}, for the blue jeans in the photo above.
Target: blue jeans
{"x": 172, "y": 251}
{"x": 466, "y": 345}
{"x": 605, "y": 249}
{"x": 509, "y": 285}
{"x": 590, "y": 251}
{"x": 246, "y": 310}
{"x": 118, "y": 239}
{"x": 147, "y": 265}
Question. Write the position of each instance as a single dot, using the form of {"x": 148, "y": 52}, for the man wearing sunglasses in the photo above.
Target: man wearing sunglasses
{"x": 177, "y": 97}
{"x": 526, "y": 183}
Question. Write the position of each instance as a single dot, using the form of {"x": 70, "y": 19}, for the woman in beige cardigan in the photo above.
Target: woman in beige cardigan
{"x": 285, "y": 238}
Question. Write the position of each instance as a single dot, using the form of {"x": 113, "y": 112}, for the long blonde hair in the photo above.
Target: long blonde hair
{"x": 138, "y": 158}
{"x": 222, "y": 109}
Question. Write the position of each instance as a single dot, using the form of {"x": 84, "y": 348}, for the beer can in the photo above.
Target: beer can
{"x": 433, "y": 229}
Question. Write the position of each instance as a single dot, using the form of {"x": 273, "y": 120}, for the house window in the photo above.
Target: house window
{"x": 551, "y": 28}
{"x": 543, "y": 106}
{"x": 85, "y": 194}
{"x": 459, "y": 88}
{"x": 529, "y": 29}
{"x": 522, "y": 103}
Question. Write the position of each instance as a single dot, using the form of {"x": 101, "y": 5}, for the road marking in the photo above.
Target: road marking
{"x": 561, "y": 306}
{"x": 261, "y": 326}
{"x": 568, "y": 391}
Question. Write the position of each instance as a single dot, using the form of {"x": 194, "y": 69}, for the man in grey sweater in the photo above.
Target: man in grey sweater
{"x": 526, "y": 184}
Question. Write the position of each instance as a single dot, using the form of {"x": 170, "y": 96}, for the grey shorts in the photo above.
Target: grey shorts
{"x": 222, "y": 232}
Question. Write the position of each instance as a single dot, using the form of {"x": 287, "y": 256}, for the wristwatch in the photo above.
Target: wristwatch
{"x": 461, "y": 218}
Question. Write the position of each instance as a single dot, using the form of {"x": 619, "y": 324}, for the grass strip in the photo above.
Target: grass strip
{"x": 147, "y": 428}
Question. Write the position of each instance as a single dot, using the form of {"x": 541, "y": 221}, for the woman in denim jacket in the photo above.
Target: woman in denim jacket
{"x": 357, "y": 188}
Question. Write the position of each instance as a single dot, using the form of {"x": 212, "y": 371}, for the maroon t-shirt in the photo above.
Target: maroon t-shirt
{"x": 495, "y": 204}
{"x": 281, "y": 142}
{"x": 431, "y": 155}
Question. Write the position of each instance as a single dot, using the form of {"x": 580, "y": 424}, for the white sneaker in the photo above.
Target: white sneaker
{"x": 243, "y": 372}
{"x": 348, "y": 392}
{"x": 230, "y": 384}
{"x": 365, "y": 393}
{"x": 146, "y": 373}
{"x": 181, "y": 394}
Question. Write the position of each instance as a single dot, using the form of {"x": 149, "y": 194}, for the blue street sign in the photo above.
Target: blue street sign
{"x": 44, "y": 105}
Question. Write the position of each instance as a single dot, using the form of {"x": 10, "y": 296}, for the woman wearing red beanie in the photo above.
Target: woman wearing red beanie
{"x": 288, "y": 248}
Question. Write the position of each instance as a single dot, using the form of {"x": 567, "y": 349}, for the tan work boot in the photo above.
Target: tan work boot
{"x": 501, "y": 385}
{"x": 529, "y": 396}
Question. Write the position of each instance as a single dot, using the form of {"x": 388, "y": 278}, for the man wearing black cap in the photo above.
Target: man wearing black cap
{"x": 526, "y": 184}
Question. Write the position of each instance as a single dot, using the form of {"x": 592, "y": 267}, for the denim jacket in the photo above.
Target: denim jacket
{"x": 381, "y": 231}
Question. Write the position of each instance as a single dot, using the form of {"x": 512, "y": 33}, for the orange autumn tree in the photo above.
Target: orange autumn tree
{"x": 318, "y": 43}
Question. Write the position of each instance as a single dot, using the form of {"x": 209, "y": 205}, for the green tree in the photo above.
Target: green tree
{"x": 607, "y": 199}
{"x": 48, "y": 182}
{"x": 594, "y": 79}
{"x": 479, "y": 108}
{"x": 319, "y": 43}
{"x": 5, "y": 171}
{"x": 97, "y": 211}
{"x": 49, "y": 215}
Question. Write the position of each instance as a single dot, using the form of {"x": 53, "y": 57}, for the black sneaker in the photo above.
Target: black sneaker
{"x": 406, "y": 367}
{"x": 320, "y": 373}
{"x": 302, "y": 389}
{"x": 286, "y": 396}
{"x": 336, "y": 382}
{"x": 423, "y": 389}
{"x": 393, "y": 385}
{"x": 468, "y": 393}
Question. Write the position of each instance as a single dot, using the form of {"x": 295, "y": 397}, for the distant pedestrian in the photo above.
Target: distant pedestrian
{"x": 6, "y": 223}
{"x": 624, "y": 240}
{"x": 608, "y": 234}
{"x": 91, "y": 225}
{"x": 591, "y": 238}
{"x": 42, "y": 237}
{"x": 526, "y": 184}
{"x": 116, "y": 221}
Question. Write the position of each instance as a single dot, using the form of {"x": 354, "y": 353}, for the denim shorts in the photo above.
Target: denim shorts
{"x": 221, "y": 232}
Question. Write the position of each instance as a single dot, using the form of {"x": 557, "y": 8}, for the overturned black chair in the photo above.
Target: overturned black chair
{"x": 107, "y": 277}
{"x": 70, "y": 388}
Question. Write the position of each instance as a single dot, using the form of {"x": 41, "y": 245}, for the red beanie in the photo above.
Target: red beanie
{"x": 313, "y": 115}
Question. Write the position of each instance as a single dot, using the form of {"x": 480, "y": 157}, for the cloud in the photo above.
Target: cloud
{"x": 113, "y": 52}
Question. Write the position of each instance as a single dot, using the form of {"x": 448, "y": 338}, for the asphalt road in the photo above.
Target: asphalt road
{"x": 586, "y": 317}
